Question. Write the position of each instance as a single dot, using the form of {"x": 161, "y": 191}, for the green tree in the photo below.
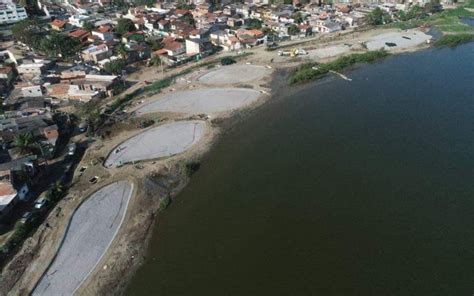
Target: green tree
{"x": 88, "y": 26}
{"x": 125, "y": 25}
{"x": 121, "y": 50}
{"x": 254, "y": 24}
{"x": 227, "y": 61}
{"x": 115, "y": 67}
{"x": 188, "y": 18}
{"x": 293, "y": 29}
{"x": 184, "y": 5}
{"x": 137, "y": 37}
{"x": 29, "y": 5}
{"x": 120, "y": 3}
{"x": 270, "y": 33}
{"x": 154, "y": 43}
{"x": 155, "y": 60}
{"x": 57, "y": 44}
{"x": 28, "y": 32}
{"x": 55, "y": 192}
{"x": 415, "y": 12}
{"x": 377, "y": 17}
{"x": 25, "y": 142}
{"x": 145, "y": 2}
{"x": 298, "y": 17}
{"x": 91, "y": 114}
{"x": 433, "y": 6}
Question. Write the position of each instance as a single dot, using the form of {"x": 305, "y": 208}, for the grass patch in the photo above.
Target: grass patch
{"x": 119, "y": 102}
{"x": 447, "y": 21}
{"x": 454, "y": 40}
{"x": 164, "y": 203}
{"x": 311, "y": 71}
{"x": 227, "y": 61}
{"x": 157, "y": 86}
{"x": 450, "y": 21}
{"x": 19, "y": 234}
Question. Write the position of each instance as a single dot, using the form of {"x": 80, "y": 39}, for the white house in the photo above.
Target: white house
{"x": 9, "y": 196}
{"x": 11, "y": 13}
{"x": 78, "y": 20}
{"x": 326, "y": 26}
{"x": 104, "y": 32}
{"x": 32, "y": 91}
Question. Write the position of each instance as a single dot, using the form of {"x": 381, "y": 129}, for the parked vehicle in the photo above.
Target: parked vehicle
{"x": 71, "y": 149}
{"x": 293, "y": 52}
{"x": 82, "y": 127}
{"x": 41, "y": 203}
{"x": 26, "y": 218}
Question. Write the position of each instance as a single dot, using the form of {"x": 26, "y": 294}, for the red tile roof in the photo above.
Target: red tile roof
{"x": 257, "y": 33}
{"x": 104, "y": 29}
{"x": 181, "y": 11}
{"x": 139, "y": 21}
{"x": 233, "y": 39}
{"x": 303, "y": 27}
{"x": 343, "y": 8}
{"x": 58, "y": 23}
{"x": 160, "y": 52}
{"x": 51, "y": 134}
{"x": 78, "y": 33}
{"x": 174, "y": 45}
{"x": 168, "y": 40}
{"x": 6, "y": 188}
{"x": 5, "y": 70}
{"x": 59, "y": 89}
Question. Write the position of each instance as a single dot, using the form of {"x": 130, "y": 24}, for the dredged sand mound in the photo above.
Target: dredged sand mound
{"x": 402, "y": 40}
{"x": 161, "y": 141}
{"x": 234, "y": 74}
{"x": 198, "y": 101}
{"x": 91, "y": 230}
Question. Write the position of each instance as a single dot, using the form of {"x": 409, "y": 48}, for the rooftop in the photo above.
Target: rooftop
{"x": 7, "y": 194}
{"x": 58, "y": 23}
{"x": 5, "y": 70}
{"x": 78, "y": 33}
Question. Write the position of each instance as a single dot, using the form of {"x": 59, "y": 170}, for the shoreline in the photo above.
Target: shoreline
{"x": 168, "y": 177}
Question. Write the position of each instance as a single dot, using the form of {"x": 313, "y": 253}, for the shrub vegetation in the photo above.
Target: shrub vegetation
{"x": 454, "y": 40}
{"x": 227, "y": 61}
{"x": 311, "y": 71}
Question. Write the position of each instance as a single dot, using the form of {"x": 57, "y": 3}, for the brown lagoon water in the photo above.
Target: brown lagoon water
{"x": 346, "y": 188}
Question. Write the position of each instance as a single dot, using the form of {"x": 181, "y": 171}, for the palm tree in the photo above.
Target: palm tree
{"x": 155, "y": 60}
{"x": 25, "y": 142}
{"x": 56, "y": 190}
{"x": 122, "y": 51}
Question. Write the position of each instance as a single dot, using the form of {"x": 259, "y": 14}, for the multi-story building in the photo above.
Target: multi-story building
{"x": 11, "y": 12}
